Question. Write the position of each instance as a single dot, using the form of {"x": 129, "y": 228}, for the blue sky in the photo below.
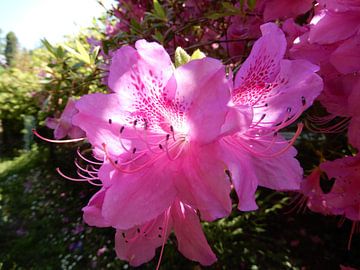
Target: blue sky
{"x": 32, "y": 20}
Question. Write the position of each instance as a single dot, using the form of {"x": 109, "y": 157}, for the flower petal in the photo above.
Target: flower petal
{"x": 202, "y": 182}
{"x": 202, "y": 85}
{"x": 92, "y": 212}
{"x": 121, "y": 62}
{"x": 100, "y": 117}
{"x": 278, "y": 172}
{"x": 262, "y": 65}
{"x": 275, "y": 9}
{"x": 138, "y": 245}
{"x": 346, "y": 58}
{"x": 241, "y": 172}
{"x": 135, "y": 198}
{"x": 191, "y": 239}
{"x": 293, "y": 91}
{"x": 332, "y": 27}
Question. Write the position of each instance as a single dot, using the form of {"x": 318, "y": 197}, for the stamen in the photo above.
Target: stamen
{"x": 336, "y": 128}
{"x": 270, "y": 155}
{"x": 303, "y": 101}
{"x": 353, "y": 226}
{"x": 87, "y": 160}
{"x": 167, "y": 214}
{"x": 81, "y": 168}
{"x": 85, "y": 179}
{"x": 172, "y": 132}
{"x": 56, "y": 141}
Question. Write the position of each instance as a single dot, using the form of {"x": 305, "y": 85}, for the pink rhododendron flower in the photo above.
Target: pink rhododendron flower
{"x": 336, "y": 51}
{"x": 344, "y": 197}
{"x": 241, "y": 30}
{"x": 346, "y": 58}
{"x": 63, "y": 126}
{"x": 312, "y": 194}
{"x": 280, "y": 9}
{"x": 292, "y": 30}
{"x": 340, "y": 5}
{"x": 342, "y": 267}
{"x": 330, "y": 26}
{"x": 157, "y": 132}
{"x": 277, "y": 91}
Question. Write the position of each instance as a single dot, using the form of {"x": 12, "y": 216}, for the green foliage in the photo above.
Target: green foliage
{"x": 72, "y": 71}
{"x": 17, "y": 89}
{"x": 11, "y": 48}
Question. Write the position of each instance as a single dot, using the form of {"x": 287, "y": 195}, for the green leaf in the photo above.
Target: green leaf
{"x": 230, "y": 7}
{"x": 80, "y": 52}
{"x": 83, "y": 52}
{"x": 158, "y": 36}
{"x": 251, "y": 4}
{"x": 48, "y": 46}
{"x": 197, "y": 55}
{"x": 181, "y": 57}
{"x": 159, "y": 11}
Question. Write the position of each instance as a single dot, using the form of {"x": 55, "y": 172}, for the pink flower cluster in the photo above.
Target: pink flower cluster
{"x": 172, "y": 142}
{"x": 332, "y": 41}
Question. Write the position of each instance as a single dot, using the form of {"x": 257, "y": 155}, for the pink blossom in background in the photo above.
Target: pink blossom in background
{"x": 314, "y": 197}
{"x": 344, "y": 197}
{"x": 283, "y": 9}
{"x": 340, "y": 5}
{"x": 241, "y": 30}
{"x": 63, "y": 126}
{"x": 333, "y": 42}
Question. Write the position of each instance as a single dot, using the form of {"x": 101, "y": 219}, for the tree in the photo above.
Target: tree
{"x": 11, "y": 48}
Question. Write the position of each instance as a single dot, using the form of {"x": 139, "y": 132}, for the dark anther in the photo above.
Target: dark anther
{"x": 135, "y": 122}
{"x": 160, "y": 146}
{"x": 263, "y": 116}
{"x": 145, "y": 125}
{"x": 126, "y": 241}
{"x": 172, "y": 128}
{"x": 266, "y": 105}
{"x": 116, "y": 162}
{"x": 159, "y": 235}
{"x": 134, "y": 150}
{"x": 138, "y": 230}
{"x": 288, "y": 109}
{"x": 228, "y": 173}
{"x": 160, "y": 228}
{"x": 275, "y": 134}
{"x": 110, "y": 121}
{"x": 123, "y": 235}
{"x": 303, "y": 101}
{"x": 167, "y": 137}
{"x": 122, "y": 129}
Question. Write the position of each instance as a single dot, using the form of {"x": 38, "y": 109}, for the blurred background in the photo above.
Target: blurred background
{"x": 53, "y": 50}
